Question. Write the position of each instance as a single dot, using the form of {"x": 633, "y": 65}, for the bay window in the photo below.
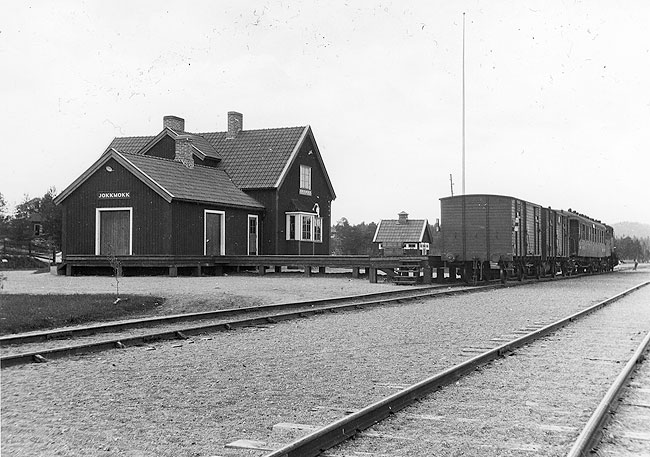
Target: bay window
{"x": 303, "y": 226}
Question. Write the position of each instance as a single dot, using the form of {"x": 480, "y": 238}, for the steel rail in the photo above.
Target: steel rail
{"x": 336, "y": 432}
{"x": 592, "y": 432}
{"x": 302, "y": 309}
{"x": 183, "y": 332}
{"x": 187, "y": 317}
{"x": 92, "y": 329}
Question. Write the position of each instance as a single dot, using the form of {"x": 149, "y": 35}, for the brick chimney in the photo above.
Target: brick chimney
{"x": 403, "y": 218}
{"x": 174, "y": 122}
{"x": 235, "y": 124}
{"x": 183, "y": 151}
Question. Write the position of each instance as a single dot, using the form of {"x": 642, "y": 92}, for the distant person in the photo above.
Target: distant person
{"x": 636, "y": 262}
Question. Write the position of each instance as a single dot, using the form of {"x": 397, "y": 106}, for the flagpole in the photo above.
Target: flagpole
{"x": 463, "y": 170}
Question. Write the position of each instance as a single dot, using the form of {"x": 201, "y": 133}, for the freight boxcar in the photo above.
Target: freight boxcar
{"x": 488, "y": 236}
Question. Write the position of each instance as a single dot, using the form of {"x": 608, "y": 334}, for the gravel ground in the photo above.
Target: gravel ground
{"x": 534, "y": 402}
{"x": 193, "y": 294}
{"x": 628, "y": 433}
{"x": 192, "y": 398}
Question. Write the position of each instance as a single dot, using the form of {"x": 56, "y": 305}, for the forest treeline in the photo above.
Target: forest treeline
{"x": 348, "y": 239}
{"x": 36, "y": 222}
{"x": 34, "y": 225}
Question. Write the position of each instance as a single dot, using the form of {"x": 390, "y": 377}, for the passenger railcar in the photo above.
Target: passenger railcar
{"x": 490, "y": 236}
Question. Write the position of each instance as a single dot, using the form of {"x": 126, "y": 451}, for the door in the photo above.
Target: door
{"x": 214, "y": 233}
{"x": 252, "y": 235}
{"x": 114, "y": 231}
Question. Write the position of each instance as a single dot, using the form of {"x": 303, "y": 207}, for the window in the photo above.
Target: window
{"x": 291, "y": 227}
{"x": 318, "y": 231}
{"x": 304, "y": 227}
{"x": 410, "y": 245}
{"x": 38, "y": 229}
{"x": 305, "y": 180}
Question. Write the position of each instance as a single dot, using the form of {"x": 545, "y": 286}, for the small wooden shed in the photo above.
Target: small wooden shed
{"x": 404, "y": 236}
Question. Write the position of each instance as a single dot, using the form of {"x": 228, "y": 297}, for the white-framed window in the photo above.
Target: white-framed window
{"x": 303, "y": 226}
{"x": 305, "y": 180}
{"x": 410, "y": 245}
{"x": 318, "y": 229}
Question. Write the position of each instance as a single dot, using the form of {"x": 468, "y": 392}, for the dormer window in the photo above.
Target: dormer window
{"x": 305, "y": 180}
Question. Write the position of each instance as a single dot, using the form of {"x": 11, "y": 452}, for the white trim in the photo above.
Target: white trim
{"x": 154, "y": 141}
{"x": 222, "y": 247}
{"x": 128, "y": 165}
{"x": 146, "y": 176}
{"x": 300, "y": 215}
{"x": 374, "y": 238}
{"x": 424, "y": 228}
{"x": 98, "y": 222}
{"x": 257, "y": 234}
{"x": 292, "y": 157}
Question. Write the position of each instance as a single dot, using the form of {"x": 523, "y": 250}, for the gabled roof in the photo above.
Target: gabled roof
{"x": 391, "y": 230}
{"x": 254, "y": 159}
{"x": 129, "y": 144}
{"x": 142, "y": 144}
{"x": 173, "y": 180}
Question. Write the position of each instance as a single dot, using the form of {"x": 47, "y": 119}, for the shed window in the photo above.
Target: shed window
{"x": 410, "y": 245}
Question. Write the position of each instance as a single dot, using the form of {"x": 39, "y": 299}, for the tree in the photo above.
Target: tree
{"x": 20, "y": 226}
{"x": 353, "y": 239}
{"x": 52, "y": 218}
{"x": 631, "y": 248}
{"x": 4, "y": 218}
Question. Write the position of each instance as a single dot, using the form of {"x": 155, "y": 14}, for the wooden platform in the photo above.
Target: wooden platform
{"x": 198, "y": 265}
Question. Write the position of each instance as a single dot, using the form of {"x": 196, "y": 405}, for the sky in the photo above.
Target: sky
{"x": 557, "y": 99}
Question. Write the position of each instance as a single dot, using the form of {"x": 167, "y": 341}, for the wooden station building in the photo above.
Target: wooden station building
{"x": 198, "y": 196}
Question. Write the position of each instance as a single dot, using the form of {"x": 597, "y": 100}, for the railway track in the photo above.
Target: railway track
{"x": 624, "y": 406}
{"x": 43, "y": 346}
{"x": 392, "y": 440}
{"x": 46, "y": 345}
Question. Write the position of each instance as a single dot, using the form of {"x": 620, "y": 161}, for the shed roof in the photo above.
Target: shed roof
{"x": 392, "y": 230}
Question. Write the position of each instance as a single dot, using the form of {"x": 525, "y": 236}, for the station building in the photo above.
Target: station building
{"x": 236, "y": 192}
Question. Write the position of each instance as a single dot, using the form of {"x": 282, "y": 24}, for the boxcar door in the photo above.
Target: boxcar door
{"x": 114, "y": 232}
{"x": 213, "y": 233}
{"x": 252, "y": 235}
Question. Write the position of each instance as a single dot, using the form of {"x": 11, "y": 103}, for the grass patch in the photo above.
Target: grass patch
{"x": 27, "y": 312}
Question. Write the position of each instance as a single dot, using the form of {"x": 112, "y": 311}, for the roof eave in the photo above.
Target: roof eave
{"x": 307, "y": 131}
{"x": 112, "y": 153}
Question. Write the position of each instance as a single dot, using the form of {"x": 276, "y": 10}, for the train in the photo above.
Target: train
{"x": 485, "y": 237}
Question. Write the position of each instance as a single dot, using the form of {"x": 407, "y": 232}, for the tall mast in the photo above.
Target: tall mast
{"x": 463, "y": 167}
